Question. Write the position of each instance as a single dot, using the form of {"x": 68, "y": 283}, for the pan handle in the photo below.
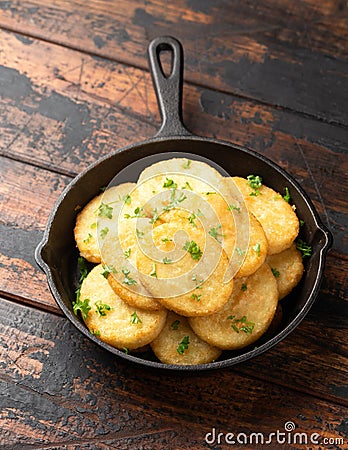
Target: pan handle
{"x": 168, "y": 88}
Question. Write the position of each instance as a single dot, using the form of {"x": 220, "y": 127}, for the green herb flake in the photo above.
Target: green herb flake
{"x": 138, "y": 212}
{"x": 105, "y": 210}
{"x": 199, "y": 283}
{"x": 135, "y": 318}
{"x": 244, "y": 287}
{"x": 101, "y": 308}
{"x": 187, "y": 186}
{"x": 127, "y": 252}
{"x": 233, "y": 207}
{"x": 196, "y": 297}
{"x": 174, "y": 201}
{"x": 302, "y": 222}
{"x": 155, "y": 216}
{"x": 127, "y": 199}
{"x": 175, "y": 324}
{"x": 140, "y": 234}
{"x": 242, "y": 324}
{"x": 93, "y": 225}
{"x": 95, "y": 333}
{"x": 275, "y": 272}
{"x": 187, "y": 164}
{"x": 82, "y": 306}
{"x": 304, "y": 248}
{"x": 255, "y": 182}
{"x": 167, "y": 260}
{"x": 214, "y": 232}
{"x": 125, "y": 350}
{"x": 166, "y": 240}
{"x": 210, "y": 193}
{"x": 153, "y": 272}
{"x": 239, "y": 251}
{"x": 169, "y": 184}
{"x": 191, "y": 218}
{"x": 127, "y": 279}
{"x": 107, "y": 270}
{"x": 88, "y": 238}
{"x": 81, "y": 262}
{"x": 287, "y": 197}
{"x": 104, "y": 232}
{"x": 257, "y": 249}
{"x": 194, "y": 250}
{"x": 184, "y": 345}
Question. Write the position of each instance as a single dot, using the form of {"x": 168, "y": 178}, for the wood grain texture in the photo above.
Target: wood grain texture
{"x": 61, "y": 390}
{"x": 276, "y": 52}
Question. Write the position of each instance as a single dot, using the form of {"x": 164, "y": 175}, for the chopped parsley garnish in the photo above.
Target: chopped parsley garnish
{"x": 138, "y": 212}
{"x": 239, "y": 251}
{"x": 184, "y": 345}
{"x": 196, "y": 297}
{"x": 135, "y": 318}
{"x": 275, "y": 272}
{"x": 175, "y": 324}
{"x": 101, "y": 308}
{"x": 104, "y": 232}
{"x": 104, "y": 210}
{"x": 304, "y": 248}
{"x": 167, "y": 260}
{"x": 125, "y": 350}
{"x": 199, "y": 283}
{"x": 140, "y": 234}
{"x": 88, "y": 238}
{"x": 233, "y": 207}
{"x": 166, "y": 240}
{"x": 94, "y": 225}
{"x": 302, "y": 222}
{"x": 127, "y": 252}
{"x": 257, "y": 249}
{"x": 286, "y": 197}
{"x": 81, "y": 262}
{"x": 169, "y": 184}
{"x": 214, "y": 232}
{"x": 244, "y": 287}
{"x": 127, "y": 279}
{"x": 210, "y": 193}
{"x": 193, "y": 249}
{"x": 187, "y": 164}
{"x": 95, "y": 333}
{"x": 255, "y": 182}
{"x": 153, "y": 272}
{"x": 191, "y": 218}
{"x": 127, "y": 199}
{"x": 155, "y": 216}
{"x": 174, "y": 202}
{"x": 241, "y": 324}
{"x": 187, "y": 186}
{"x": 107, "y": 270}
{"x": 82, "y": 306}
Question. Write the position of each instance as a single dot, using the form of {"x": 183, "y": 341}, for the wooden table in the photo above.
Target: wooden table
{"x": 74, "y": 85}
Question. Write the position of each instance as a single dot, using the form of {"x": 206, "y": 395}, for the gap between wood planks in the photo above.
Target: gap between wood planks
{"x": 199, "y": 85}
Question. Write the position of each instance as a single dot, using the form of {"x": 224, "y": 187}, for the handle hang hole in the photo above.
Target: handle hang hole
{"x": 165, "y": 57}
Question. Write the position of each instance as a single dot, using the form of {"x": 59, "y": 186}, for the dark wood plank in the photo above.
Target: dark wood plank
{"x": 58, "y": 389}
{"x": 316, "y": 343}
{"x": 274, "y": 51}
{"x": 62, "y": 110}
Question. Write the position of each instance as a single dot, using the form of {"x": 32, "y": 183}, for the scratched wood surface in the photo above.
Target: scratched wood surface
{"x": 74, "y": 85}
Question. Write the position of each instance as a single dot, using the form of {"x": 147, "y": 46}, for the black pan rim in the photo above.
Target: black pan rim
{"x": 222, "y": 364}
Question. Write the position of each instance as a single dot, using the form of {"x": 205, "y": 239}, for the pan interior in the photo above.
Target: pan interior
{"x": 60, "y": 252}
